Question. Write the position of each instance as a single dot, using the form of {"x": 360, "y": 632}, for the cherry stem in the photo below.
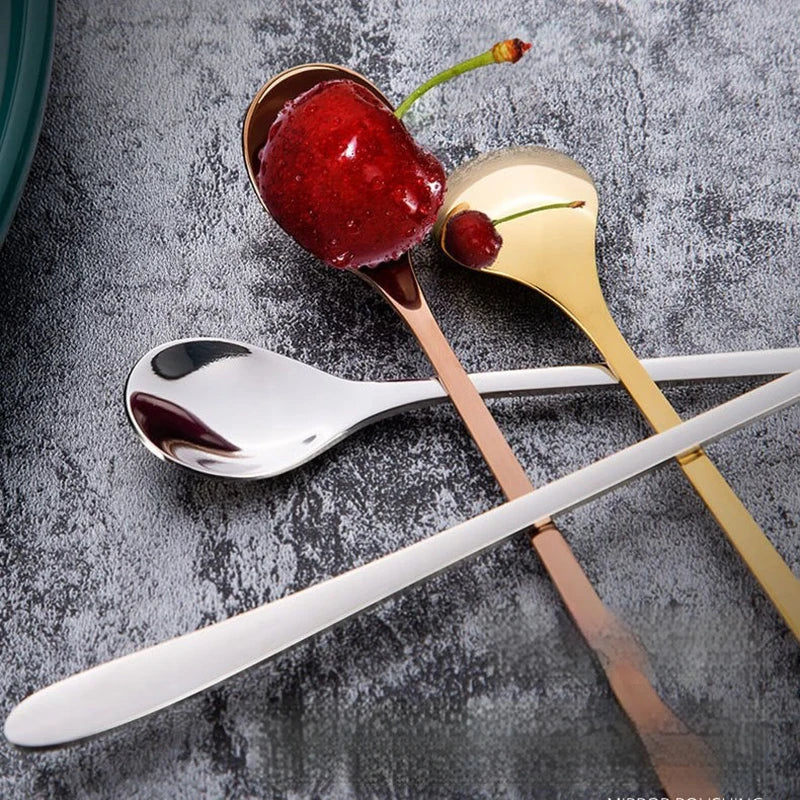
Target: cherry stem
{"x": 573, "y": 204}
{"x": 510, "y": 50}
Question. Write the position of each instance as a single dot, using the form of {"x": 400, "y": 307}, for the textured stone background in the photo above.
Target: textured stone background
{"x": 138, "y": 226}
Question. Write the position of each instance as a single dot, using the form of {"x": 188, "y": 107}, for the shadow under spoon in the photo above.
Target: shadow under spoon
{"x": 681, "y": 760}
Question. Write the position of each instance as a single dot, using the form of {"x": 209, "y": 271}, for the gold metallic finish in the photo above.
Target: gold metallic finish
{"x": 554, "y": 253}
{"x": 681, "y": 760}
{"x": 693, "y": 455}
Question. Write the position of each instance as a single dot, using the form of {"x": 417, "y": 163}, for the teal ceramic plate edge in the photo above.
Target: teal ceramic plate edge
{"x": 26, "y": 53}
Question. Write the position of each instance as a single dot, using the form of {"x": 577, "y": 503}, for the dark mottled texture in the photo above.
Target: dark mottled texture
{"x": 138, "y": 226}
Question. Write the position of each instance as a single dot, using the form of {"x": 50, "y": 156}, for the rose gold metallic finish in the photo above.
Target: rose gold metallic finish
{"x": 681, "y": 760}
{"x": 398, "y": 284}
{"x": 554, "y": 253}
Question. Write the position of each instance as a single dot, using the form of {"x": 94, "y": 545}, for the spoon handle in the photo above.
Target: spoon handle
{"x": 681, "y": 760}
{"x": 760, "y": 555}
{"x": 403, "y": 395}
{"x": 398, "y": 285}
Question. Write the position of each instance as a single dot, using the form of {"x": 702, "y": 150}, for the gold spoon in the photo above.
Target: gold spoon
{"x": 554, "y": 253}
{"x": 681, "y": 760}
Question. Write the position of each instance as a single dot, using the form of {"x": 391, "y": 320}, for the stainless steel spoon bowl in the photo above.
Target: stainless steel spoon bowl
{"x": 235, "y": 410}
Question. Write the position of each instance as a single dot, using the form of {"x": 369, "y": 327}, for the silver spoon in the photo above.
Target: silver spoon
{"x": 234, "y": 410}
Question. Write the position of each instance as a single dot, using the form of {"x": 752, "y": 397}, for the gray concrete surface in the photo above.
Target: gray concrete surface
{"x": 138, "y": 226}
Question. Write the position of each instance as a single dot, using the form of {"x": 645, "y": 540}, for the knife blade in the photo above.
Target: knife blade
{"x": 150, "y": 679}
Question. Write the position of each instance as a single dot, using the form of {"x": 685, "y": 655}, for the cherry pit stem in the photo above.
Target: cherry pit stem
{"x": 573, "y": 204}
{"x": 510, "y": 50}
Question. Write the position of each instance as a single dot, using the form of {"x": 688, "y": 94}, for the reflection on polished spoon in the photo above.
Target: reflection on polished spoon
{"x": 681, "y": 760}
{"x": 555, "y": 255}
{"x": 238, "y": 411}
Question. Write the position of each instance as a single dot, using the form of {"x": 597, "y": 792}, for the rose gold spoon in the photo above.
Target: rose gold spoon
{"x": 681, "y": 760}
{"x": 553, "y": 253}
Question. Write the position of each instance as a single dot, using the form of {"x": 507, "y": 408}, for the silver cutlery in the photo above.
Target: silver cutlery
{"x": 142, "y": 682}
{"x": 234, "y": 410}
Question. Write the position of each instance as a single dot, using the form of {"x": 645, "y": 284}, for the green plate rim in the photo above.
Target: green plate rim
{"x": 22, "y": 97}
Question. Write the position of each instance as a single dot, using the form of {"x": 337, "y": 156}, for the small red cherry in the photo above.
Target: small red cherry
{"x": 471, "y": 238}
